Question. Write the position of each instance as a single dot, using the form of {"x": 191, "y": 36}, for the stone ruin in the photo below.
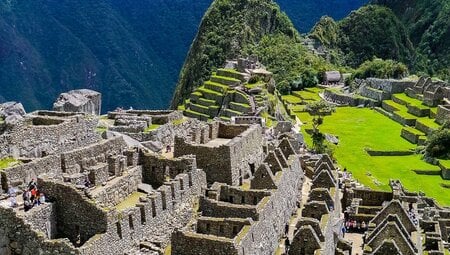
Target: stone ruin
{"x": 42, "y": 133}
{"x": 81, "y": 100}
{"x": 222, "y": 189}
{"x": 398, "y": 222}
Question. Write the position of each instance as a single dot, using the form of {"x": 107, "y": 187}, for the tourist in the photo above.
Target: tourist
{"x": 287, "y": 243}
{"x": 41, "y": 198}
{"x": 168, "y": 148}
{"x": 26, "y": 195}
{"x": 27, "y": 204}
{"x": 12, "y": 197}
{"x": 32, "y": 184}
{"x": 363, "y": 225}
{"x": 87, "y": 182}
{"x": 343, "y": 231}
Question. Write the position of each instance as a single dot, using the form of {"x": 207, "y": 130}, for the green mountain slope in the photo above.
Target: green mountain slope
{"x": 126, "y": 49}
{"x": 428, "y": 24}
{"x": 227, "y": 27}
{"x": 304, "y": 14}
{"x": 371, "y": 31}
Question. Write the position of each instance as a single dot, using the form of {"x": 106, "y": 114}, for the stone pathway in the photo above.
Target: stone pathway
{"x": 357, "y": 242}
{"x": 293, "y": 221}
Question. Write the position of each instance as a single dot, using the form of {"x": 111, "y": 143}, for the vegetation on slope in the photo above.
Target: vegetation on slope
{"x": 227, "y": 27}
{"x": 372, "y": 31}
{"x": 428, "y": 25}
{"x": 131, "y": 51}
{"x": 413, "y": 32}
{"x": 304, "y": 14}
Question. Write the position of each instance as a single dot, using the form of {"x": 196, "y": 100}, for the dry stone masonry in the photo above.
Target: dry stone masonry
{"x": 158, "y": 182}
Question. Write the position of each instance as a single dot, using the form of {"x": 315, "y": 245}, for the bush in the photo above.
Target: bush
{"x": 380, "y": 68}
{"x": 438, "y": 144}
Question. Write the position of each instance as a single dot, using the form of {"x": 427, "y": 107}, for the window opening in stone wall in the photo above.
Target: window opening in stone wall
{"x": 252, "y": 168}
{"x": 231, "y": 198}
{"x": 143, "y": 220}
{"x": 207, "y": 227}
{"x": 163, "y": 197}
{"x": 242, "y": 200}
{"x": 153, "y": 208}
{"x": 130, "y": 221}
{"x": 221, "y": 230}
{"x": 119, "y": 229}
{"x": 255, "y": 200}
{"x": 235, "y": 230}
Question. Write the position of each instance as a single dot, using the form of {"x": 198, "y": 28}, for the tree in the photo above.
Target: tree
{"x": 438, "y": 144}
{"x": 318, "y": 110}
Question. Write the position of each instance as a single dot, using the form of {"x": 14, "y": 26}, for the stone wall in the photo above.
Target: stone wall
{"x": 238, "y": 157}
{"x": 224, "y": 227}
{"x": 17, "y": 237}
{"x": 156, "y": 169}
{"x": 167, "y": 132}
{"x": 30, "y": 140}
{"x": 76, "y": 216}
{"x": 154, "y": 218}
{"x": 43, "y": 218}
{"x": 78, "y": 160}
{"x": 263, "y": 236}
{"x": 22, "y": 174}
{"x": 443, "y": 114}
{"x": 119, "y": 188}
{"x": 187, "y": 243}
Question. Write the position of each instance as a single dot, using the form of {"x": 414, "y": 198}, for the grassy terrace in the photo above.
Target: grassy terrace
{"x": 363, "y": 128}
{"x": 130, "y": 201}
{"x": 151, "y": 127}
{"x": 409, "y": 100}
{"x": 8, "y": 162}
{"x": 308, "y": 94}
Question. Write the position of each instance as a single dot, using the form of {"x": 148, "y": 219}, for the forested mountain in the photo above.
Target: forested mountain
{"x": 413, "y": 32}
{"x": 130, "y": 50}
{"x": 304, "y": 14}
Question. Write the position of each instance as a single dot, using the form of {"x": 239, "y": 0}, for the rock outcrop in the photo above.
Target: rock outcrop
{"x": 81, "y": 100}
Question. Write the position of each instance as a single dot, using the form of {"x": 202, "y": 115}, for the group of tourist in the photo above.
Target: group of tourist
{"x": 355, "y": 226}
{"x": 412, "y": 215}
{"x": 31, "y": 196}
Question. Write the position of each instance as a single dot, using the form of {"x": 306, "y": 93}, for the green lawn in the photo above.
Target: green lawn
{"x": 311, "y": 94}
{"x": 358, "y": 129}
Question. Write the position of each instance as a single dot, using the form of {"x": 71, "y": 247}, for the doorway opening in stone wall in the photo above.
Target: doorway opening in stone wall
{"x": 252, "y": 168}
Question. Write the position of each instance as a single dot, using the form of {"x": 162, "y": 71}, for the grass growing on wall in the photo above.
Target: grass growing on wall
{"x": 8, "y": 162}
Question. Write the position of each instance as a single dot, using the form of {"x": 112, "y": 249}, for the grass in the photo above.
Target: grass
{"x": 291, "y": 99}
{"x": 428, "y": 122}
{"x": 414, "y": 131}
{"x": 409, "y": 100}
{"x": 8, "y": 162}
{"x": 308, "y": 94}
{"x": 130, "y": 201}
{"x": 179, "y": 121}
{"x": 358, "y": 129}
{"x": 151, "y": 127}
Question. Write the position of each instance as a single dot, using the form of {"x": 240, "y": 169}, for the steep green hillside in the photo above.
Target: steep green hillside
{"x": 227, "y": 27}
{"x": 304, "y": 14}
{"x": 131, "y": 51}
{"x": 428, "y": 24}
{"x": 371, "y": 31}
{"x": 231, "y": 29}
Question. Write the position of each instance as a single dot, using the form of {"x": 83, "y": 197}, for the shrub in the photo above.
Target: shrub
{"x": 438, "y": 144}
{"x": 380, "y": 68}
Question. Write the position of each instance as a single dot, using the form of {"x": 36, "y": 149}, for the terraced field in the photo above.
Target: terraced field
{"x": 362, "y": 129}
